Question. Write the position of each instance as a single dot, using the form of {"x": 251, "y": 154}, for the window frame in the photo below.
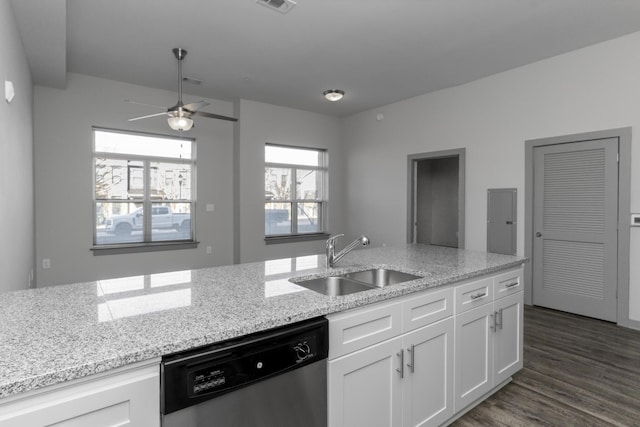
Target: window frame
{"x": 147, "y": 244}
{"x": 322, "y": 200}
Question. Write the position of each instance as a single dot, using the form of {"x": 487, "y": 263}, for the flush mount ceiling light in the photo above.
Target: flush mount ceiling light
{"x": 333, "y": 95}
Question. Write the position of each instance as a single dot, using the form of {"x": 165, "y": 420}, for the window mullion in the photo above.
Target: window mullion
{"x": 294, "y": 201}
{"x": 146, "y": 232}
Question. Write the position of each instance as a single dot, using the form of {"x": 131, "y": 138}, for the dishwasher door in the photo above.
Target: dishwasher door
{"x": 275, "y": 378}
{"x": 294, "y": 399}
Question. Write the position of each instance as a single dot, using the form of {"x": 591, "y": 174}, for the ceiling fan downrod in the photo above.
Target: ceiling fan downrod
{"x": 179, "y": 54}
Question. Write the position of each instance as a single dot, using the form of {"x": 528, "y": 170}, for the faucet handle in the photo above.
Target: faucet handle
{"x": 331, "y": 240}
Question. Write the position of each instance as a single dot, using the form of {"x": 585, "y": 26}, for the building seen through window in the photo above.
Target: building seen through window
{"x": 143, "y": 188}
{"x": 295, "y": 182}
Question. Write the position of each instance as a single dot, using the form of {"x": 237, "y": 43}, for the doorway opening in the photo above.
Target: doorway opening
{"x": 436, "y": 194}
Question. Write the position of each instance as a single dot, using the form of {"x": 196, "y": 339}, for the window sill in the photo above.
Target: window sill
{"x": 272, "y": 240}
{"x": 143, "y": 247}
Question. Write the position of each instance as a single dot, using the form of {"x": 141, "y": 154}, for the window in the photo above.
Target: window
{"x": 295, "y": 197}
{"x": 139, "y": 173}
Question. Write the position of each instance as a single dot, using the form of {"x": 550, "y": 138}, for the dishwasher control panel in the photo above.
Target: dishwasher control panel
{"x": 239, "y": 368}
{"x": 208, "y": 380}
{"x": 195, "y": 376}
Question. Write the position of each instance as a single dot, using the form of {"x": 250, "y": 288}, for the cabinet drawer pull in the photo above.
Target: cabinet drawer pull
{"x": 511, "y": 285}
{"x": 478, "y": 295}
{"x": 401, "y": 356}
{"x": 411, "y": 364}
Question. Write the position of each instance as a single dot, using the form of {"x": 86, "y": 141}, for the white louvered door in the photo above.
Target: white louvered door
{"x": 575, "y": 227}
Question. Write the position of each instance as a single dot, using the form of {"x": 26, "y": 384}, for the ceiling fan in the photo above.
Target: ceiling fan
{"x": 179, "y": 116}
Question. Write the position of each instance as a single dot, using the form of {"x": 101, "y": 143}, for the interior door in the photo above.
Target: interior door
{"x": 575, "y": 227}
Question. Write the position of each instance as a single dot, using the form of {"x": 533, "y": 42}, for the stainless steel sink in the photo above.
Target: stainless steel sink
{"x": 334, "y": 285}
{"x": 358, "y": 281}
{"x": 380, "y": 277}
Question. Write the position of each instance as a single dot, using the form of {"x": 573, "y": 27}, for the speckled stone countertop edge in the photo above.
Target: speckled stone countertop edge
{"x": 332, "y": 305}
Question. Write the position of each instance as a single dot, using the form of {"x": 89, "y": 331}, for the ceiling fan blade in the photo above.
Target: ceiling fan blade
{"x": 164, "y": 113}
{"x": 195, "y": 105}
{"x": 130, "y": 101}
{"x": 213, "y": 116}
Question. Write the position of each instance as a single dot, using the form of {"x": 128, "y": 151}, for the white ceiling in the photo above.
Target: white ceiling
{"x": 377, "y": 51}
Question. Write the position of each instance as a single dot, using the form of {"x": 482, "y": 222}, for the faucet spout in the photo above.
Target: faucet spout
{"x": 333, "y": 258}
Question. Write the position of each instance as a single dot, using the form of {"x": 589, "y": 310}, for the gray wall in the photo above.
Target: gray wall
{"x": 261, "y": 123}
{"x": 590, "y": 89}
{"x": 64, "y": 179}
{"x": 233, "y": 182}
{"x": 16, "y": 154}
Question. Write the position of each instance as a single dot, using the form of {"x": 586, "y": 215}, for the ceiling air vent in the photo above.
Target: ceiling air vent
{"x": 282, "y": 6}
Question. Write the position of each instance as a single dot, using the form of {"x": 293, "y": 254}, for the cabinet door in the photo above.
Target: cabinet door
{"x": 428, "y": 382}
{"x": 131, "y": 398}
{"x": 473, "y": 355}
{"x": 507, "y": 340}
{"x": 365, "y": 390}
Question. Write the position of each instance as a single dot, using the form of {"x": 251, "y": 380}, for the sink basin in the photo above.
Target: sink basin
{"x": 334, "y": 285}
{"x": 358, "y": 281}
{"x": 380, "y": 277}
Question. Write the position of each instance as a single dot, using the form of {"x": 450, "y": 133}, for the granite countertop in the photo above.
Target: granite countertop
{"x": 51, "y": 335}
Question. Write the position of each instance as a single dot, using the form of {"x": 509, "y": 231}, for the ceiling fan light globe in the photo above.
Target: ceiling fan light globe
{"x": 180, "y": 123}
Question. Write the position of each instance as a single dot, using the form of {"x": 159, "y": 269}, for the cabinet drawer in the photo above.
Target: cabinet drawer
{"x": 508, "y": 283}
{"x": 427, "y": 308}
{"x": 474, "y": 294}
{"x": 351, "y": 331}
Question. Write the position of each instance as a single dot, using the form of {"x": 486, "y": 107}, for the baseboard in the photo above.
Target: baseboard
{"x": 631, "y": 324}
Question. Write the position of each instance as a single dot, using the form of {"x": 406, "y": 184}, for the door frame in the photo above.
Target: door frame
{"x": 623, "y": 135}
{"x": 412, "y": 160}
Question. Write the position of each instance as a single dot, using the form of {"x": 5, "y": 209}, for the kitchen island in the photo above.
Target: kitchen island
{"x": 53, "y": 335}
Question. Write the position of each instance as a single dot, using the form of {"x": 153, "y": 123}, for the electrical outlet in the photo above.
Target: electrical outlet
{"x": 46, "y": 263}
{"x": 209, "y": 207}
{"x": 209, "y": 250}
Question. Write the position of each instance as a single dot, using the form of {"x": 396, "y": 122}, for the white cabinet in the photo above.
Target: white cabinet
{"x": 474, "y": 355}
{"x": 507, "y": 339}
{"x": 125, "y": 397}
{"x": 488, "y": 336}
{"x": 406, "y": 380}
{"x": 365, "y": 388}
{"x": 418, "y": 360}
{"x": 427, "y": 386}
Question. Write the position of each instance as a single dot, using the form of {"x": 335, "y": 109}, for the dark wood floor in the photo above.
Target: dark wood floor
{"x": 577, "y": 372}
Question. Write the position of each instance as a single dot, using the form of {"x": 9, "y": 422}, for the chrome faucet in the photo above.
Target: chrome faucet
{"x": 332, "y": 257}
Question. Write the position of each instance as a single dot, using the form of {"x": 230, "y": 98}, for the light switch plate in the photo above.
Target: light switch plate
{"x": 9, "y": 91}
{"x": 635, "y": 220}
{"x": 209, "y": 207}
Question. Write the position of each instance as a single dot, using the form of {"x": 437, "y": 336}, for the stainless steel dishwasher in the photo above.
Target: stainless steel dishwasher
{"x": 276, "y": 378}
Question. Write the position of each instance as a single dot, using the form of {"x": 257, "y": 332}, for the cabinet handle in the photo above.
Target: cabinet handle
{"x": 500, "y": 324}
{"x": 401, "y": 356}
{"x": 412, "y": 363}
{"x": 494, "y": 316}
{"x": 478, "y": 295}
{"x": 511, "y": 285}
